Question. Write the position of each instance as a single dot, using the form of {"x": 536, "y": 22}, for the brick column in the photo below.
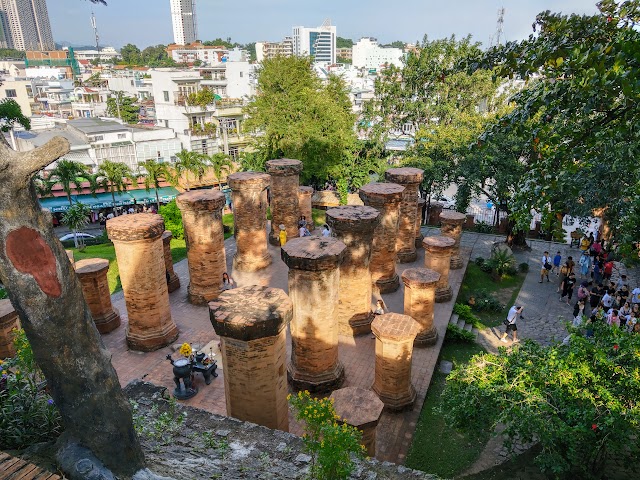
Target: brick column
{"x": 285, "y": 179}
{"x": 434, "y": 213}
{"x": 395, "y": 334}
{"x": 92, "y": 273}
{"x": 409, "y": 178}
{"x": 452, "y": 227}
{"x": 304, "y": 205}
{"x": 362, "y": 409}
{"x": 8, "y": 321}
{"x": 204, "y": 234}
{"x": 419, "y": 299}
{"x": 174, "y": 281}
{"x": 252, "y": 323}
{"x": 419, "y": 235}
{"x": 437, "y": 257}
{"x": 250, "y": 220}
{"x": 138, "y": 244}
{"x": 354, "y": 226}
{"x": 70, "y": 256}
{"x": 386, "y": 198}
{"x": 314, "y": 280}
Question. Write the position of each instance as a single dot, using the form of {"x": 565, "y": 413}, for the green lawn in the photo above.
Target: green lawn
{"x": 227, "y": 221}
{"x": 437, "y": 448}
{"x": 319, "y": 217}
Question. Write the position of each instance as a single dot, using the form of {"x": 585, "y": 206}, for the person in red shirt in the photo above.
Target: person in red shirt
{"x": 608, "y": 270}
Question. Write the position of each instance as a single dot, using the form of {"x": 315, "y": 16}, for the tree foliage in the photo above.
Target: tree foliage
{"x": 11, "y": 114}
{"x": 77, "y": 219}
{"x": 116, "y": 176}
{"x": 579, "y": 401}
{"x": 187, "y": 164}
{"x": 66, "y": 173}
{"x": 12, "y": 54}
{"x": 152, "y": 173}
{"x": 123, "y": 107}
{"x": 342, "y": 42}
{"x": 152, "y": 56}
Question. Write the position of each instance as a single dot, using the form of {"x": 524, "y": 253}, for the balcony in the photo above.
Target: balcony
{"x": 203, "y": 130}
{"x": 203, "y": 99}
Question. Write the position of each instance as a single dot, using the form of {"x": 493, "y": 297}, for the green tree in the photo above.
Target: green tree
{"x": 131, "y": 54}
{"x": 152, "y": 173}
{"x": 116, "y": 175}
{"x": 66, "y": 173}
{"x": 395, "y": 44}
{"x": 219, "y": 163}
{"x": 299, "y": 117}
{"x": 123, "y": 107}
{"x": 156, "y": 56}
{"x": 252, "y": 162}
{"x": 12, "y": 54}
{"x": 218, "y": 42}
{"x": 344, "y": 42}
{"x": 10, "y": 115}
{"x": 77, "y": 219}
{"x": 188, "y": 163}
{"x": 172, "y": 219}
{"x": 579, "y": 402}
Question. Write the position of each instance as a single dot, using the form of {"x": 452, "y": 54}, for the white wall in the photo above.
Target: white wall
{"x": 239, "y": 81}
{"x": 22, "y": 97}
{"x": 368, "y": 54}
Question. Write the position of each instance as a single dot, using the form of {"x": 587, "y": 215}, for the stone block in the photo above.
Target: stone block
{"x": 304, "y": 204}
{"x": 410, "y": 178}
{"x": 437, "y": 257}
{"x": 285, "y": 179}
{"x": 92, "y": 273}
{"x": 419, "y": 298}
{"x": 452, "y": 227}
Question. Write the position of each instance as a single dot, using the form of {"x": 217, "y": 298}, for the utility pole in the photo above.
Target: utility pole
{"x": 95, "y": 32}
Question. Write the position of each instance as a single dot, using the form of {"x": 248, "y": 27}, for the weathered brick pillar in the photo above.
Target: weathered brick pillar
{"x": 362, "y": 409}
{"x": 437, "y": 257}
{"x": 314, "y": 281}
{"x": 70, "y": 256}
{"x": 174, "y": 280}
{"x": 354, "y": 226}
{"x": 138, "y": 244}
{"x": 252, "y": 323}
{"x": 250, "y": 220}
{"x": 419, "y": 299}
{"x": 409, "y": 178}
{"x": 304, "y": 205}
{"x": 386, "y": 198}
{"x": 395, "y": 334}
{"x": 452, "y": 227}
{"x": 285, "y": 179}
{"x": 204, "y": 234}
{"x": 8, "y": 321}
{"x": 434, "y": 213}
{"x": 92, "y": 273}
{"x": 419, "y": 235}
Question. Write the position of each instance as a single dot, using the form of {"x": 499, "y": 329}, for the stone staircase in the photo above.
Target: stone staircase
{"x": 460, "y": 323}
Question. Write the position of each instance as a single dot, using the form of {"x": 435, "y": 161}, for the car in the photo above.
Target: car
{"x": 69, "y": 236}
{"x": 447, "y": 202}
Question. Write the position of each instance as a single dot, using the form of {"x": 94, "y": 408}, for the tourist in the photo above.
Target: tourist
{"x": 327, "y": 233}
{"x": 595, "y": 296}
{"x": 567, "y": 287}
{"x": 546, "y": 267}
{"x": 578, "y": 309}
{"x": 635, "y": 296}
{"x": 597, "y": 270}
{"x": 585, "y": 243}
{"x": 556, "y": 263}
{"x": 303, "y": 232}
{"x": 282, "y": 235}
{"x": 510, "y": 323}
{"x": 583, "y": 292}
{"x": 227, "y": 282}
{"x": 564, "y": 271}
{"x": 607, "y": 300}
{"x": 571, "y": 264}
{"x": 380, "y": 308}
{"x": 625, "y": 313}
{"x": 585, "y": 264}
{"x": 110, "y": 215}
{"x": 622, "y": 281}
{"x": 613, "y": 319}
{"x": 302, "y": 222}
{"x": 608, "y": 269}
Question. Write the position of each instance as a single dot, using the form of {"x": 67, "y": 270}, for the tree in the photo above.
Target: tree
{"x": 116, "y": 174}
{"x": 67, "y": 172}
{"x": 188, "y": 163}
{"x": 299, "y": 117}
{"x": 579, "y": 401}
{"x": 156, "y": 56}
{"x": 10, "y": 114}
{"x": 344, "y": 42}
{"x": 218, "y": 42}
{"x": 219, "y": 164}
{"x": 12, "y": 54}
{"x": 123, "y": 107}
{"x": 76, "y": 218}
{"x": 131, "y": 54}
{"x": 153, "y": 173}
{"x": 395, "y": 44}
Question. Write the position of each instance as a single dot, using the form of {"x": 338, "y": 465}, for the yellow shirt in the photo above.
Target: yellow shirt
{"x": 283, "y": 237}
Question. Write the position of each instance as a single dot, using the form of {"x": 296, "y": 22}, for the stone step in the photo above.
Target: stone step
{"x": 474, "y": 330}
{"x": 467, "y": 327}
{"x": 461, "y": 323}
{"x": 454, "y": 319}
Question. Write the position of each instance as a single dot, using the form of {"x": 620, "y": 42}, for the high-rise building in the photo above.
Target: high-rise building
{"x": 185, "y": 26}
{"x": 25, "y": 25}
{"x": 319, "y": 42}
{"x": 267, "y": 50}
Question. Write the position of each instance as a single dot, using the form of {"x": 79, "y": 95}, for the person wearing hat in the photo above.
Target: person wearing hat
{"x": 510, "y": 323}
{"x": 283, "y": 235}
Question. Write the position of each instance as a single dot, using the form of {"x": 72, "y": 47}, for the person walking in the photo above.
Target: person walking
{"x": 564, "y": 271}
{"x": 567, "y": 287}
{"x": 546, "y": 267}
{"x": 556, "y": 264}
{"x": 510, "y": 323}
{"x": 585, "y": 264}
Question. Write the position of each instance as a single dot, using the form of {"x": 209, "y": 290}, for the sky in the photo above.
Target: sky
{"x": 148, "y": 22}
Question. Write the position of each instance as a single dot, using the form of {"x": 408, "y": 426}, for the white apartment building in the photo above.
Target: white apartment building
{"x": 183, "y": 17}
{"x": 266, "y": 50}
{"x": 18, "y": 89}
{"x": 190, "y": 53}
{"x": 106, "y": 53}
{"x": 318, "y": 42}
{"x": 369, "y": 55}
{"x": 25, "y": 25}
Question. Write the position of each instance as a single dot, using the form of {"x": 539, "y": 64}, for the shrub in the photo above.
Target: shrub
{"x": 172, "y": 219}
{"x": 485, "y": 302}
{"x": 457, "y": 334}
{"x": 479, "y": 261}
{"x": 523, "y": 267}
{"x": 486, "y": 267}
{"x": 465, "y": 313}
{"x": 501, "y": 262}
{"x": 483, "y": 227}
{"x": 3, "y": 293}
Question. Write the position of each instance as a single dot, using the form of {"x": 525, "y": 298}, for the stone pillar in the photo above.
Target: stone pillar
{"x": 409, "y": 178}
{"x": 174, "y": 281}
{"x": 354, "y": 226}
{"x": 314, "y": 280}
{"x": 285, "y": 179}
{"x": 419, "y": 299}
{"x": 434, "y": 213}
{"x": 386, "y": 198}
{"x": 138, "y": 244}
{"x": 250, "y": 220}
{"x": 252, "y": 323}
{"x": 395, "y": 334}
{"x": 419, "y": 235}
{"x": 361, "y": 409}
{"x": 8, "y": 321}
{"x": 304, "y": 205}
{"x": 204, "y": 234}
{"x": 92, "y": 273}
{"x": 452, "y": 227}
{"x": 437, "y": 257}
{"x": 469, "y": 222}
{"x": 70, "y": 257}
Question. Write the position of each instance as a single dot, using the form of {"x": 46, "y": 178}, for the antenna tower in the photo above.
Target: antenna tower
{"x": 95, "y": 32}
{"x": 498, "y": 37}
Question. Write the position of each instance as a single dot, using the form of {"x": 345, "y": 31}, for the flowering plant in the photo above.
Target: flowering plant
{"x": 185, "y": 350}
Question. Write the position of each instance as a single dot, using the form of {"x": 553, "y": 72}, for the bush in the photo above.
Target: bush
{"x": 3, "y": 293}
{"x": 486, "y": 267}
{"x": 523, "y": 267}
{"x": 483, "y": 227}
{"x": 465, "y": 313}
{"x": 172, "y": 219}
{"x": 485, "y": 302}
{"x": 501, "y": 262}
{"x": 457, "y": 334}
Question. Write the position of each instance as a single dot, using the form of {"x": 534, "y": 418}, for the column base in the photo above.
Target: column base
{"x": 251, "y": 264}
{"x": 174, "y": 283}
{"x": 455, "y": 263}
{"x": 152, "y": 341}
{"x": 397, "y": 402}
{"x": 426, "y": 338}
{"x": 316, "y": 383}
{"x": 387, "y": 285}
{"x": 419, "y": 239}
{"x": 444, "y": 294}
{"x": 407, "y": 256}
{"x": 199, "y": 298}
{"x": 109, "y": 322}
{"x": 357, "y": 325}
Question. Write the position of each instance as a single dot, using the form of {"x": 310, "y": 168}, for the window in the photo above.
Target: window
{"x": 122, "y": 135}
{"x": 98, "y": 138}
{"x": 166, "y": 96}
{"x": 10, "y": 93}
{"x": 241, "y": 74}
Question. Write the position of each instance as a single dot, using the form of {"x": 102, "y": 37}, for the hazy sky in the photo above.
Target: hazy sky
{"x": 148, "y": 22}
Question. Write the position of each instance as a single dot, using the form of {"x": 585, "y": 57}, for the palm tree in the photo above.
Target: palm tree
{"x": 154, "y": 173}
{"x": 76, "y": 219}
{"x": 219, "y": 163}
{"x": 115, "y": 174}
{"x": 42, "y": 185}
{"x": 189, "y": 163}
{"x": 67, "y": 172}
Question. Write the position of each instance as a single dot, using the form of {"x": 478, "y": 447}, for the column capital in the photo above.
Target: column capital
{"x": 378, "y": 193}
{"x": 404, "y": 175}
{"x": 201, "y": 200}
{"x": 353, "y": 218}
{"x": 91, "y": 266}
{"x": 449, "y": 216}
{"x": 137, "y": 226}
{"x": 313, "y": 253}
{"x": 284, "y": 167}
{"x": 249, "y": 181}
{"x": 420, "y": 277}
{"x": 438, "y": 244}
{"x": 395, "y": 327}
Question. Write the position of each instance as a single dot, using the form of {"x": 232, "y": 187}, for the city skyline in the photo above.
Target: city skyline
{"x": 148, "y": 22}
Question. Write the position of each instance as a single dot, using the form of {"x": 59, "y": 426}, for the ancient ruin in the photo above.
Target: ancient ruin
{"x": 452, "y": 227}
{"x": 419, "y": 235}
{"x": 386, "y": 198}
{"x": 304, "y": 206}
{"x": 204, "y": 234}
{"x": 92, "y": 273}
{"x": 8, "y": 322}
{"x": 252, "y": 323}
{"x": 419, "y": 298}
{"x": 173, "y": 280}
{"x": 314, "y": 281}
{"x": 437, "y": 257}
{"x": 285, "y": 180}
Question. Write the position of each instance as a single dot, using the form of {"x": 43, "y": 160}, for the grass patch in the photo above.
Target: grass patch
{"x": 227, "y": 221}
{"x": 319, "y": 217}
{"x": 437, "y": 448}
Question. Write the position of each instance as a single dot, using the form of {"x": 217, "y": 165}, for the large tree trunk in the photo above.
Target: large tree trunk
{"x": 45, "y": 292}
